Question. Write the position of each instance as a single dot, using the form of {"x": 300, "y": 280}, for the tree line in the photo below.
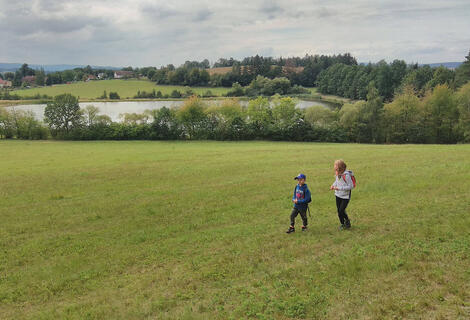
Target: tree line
{"x": 442, "y": 115}
{"x": 352, "y": 81}
{"x": 194, "y": 73}
{"x": 247, "y": 70}
{"x": 58, "y": 77}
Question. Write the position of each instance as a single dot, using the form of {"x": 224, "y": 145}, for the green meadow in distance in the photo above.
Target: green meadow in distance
{"x": 125, "y": 89}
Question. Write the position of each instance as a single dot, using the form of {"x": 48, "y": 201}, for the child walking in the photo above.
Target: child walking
{"x": 343, "y": 185}
{"x": 301, "y": 199}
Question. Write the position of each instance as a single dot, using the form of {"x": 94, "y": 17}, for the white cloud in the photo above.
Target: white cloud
{"x": 144, "y": 32}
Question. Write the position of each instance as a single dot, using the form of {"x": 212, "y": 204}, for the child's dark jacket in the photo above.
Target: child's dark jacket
{"x": 303, "y": 196}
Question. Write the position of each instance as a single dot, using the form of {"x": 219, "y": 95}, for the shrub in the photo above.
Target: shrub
{"x": 114, "y": 96}
{"x": 236, "y": 91}
{"x": 176, "y": 94}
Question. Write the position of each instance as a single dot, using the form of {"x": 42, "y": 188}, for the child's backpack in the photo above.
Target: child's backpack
{"x": 353, "y": 178}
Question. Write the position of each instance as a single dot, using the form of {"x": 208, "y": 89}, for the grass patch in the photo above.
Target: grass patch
{"x": 8, "y": 103}
{"x": 195, "y": 230}
{"x": 125, "y": 89}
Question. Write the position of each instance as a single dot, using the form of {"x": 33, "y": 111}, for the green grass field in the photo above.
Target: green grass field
{"x": 125, "y": 89}
{"x": 195, "y": 230}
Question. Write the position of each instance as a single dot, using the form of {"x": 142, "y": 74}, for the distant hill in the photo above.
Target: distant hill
{"x": 12, "y": 67}
{"x": 450, "y": 65}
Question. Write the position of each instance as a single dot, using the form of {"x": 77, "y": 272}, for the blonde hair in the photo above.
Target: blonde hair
{"x": 341, "y": 165}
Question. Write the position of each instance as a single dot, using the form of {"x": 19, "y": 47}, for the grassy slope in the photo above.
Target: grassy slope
{"x": 195, "y": 230}
{"x": 94, "y": 89}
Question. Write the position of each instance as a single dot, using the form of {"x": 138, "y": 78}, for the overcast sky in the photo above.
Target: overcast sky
{"x": 143, "y": 32}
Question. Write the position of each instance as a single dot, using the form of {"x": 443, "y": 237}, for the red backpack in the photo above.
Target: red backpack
{"x": 353, "y": 178}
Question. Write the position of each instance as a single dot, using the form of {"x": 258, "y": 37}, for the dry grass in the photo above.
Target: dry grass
{"x": 221, "y": 70}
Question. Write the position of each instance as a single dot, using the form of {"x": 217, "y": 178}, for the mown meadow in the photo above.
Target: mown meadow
{"x": 125, "y": 89}
{"x": 195, "y": 230}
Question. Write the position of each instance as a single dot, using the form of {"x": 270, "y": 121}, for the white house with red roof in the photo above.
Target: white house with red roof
{"x": 5, "y": 83}
{"x": 123, "y": 74}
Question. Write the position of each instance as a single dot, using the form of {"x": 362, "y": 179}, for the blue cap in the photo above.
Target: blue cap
{"x": 300, "y": 176}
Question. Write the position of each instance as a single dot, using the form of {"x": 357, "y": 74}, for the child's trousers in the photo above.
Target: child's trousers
{"x": 303, "y": 215}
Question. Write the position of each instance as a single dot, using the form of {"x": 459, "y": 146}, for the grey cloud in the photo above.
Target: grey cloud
{"x": 414, "y": 10}
{"x": 324, "y": 12}
{"x": 22, "y": 20}
{"x": 313, "y": 13}
{"x": 271, "y": 9}
{"x": 202, "y": 15}
{"x": 155, "y": 32}
{"x": 158, "y": 11}
{"x": 51, "y": 5}
{"x": 31, "y": 25}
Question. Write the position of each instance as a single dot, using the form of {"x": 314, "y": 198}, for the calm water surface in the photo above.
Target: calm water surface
{"x": 115, "y": 109}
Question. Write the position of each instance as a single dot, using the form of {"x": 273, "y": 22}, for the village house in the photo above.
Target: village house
{"x": 101, "y": 75}
{"x": 5, "y": 83}
{"x": 90, "y": 77}
{"x": 29, "y": 79}
{"x": 123, "y": 74}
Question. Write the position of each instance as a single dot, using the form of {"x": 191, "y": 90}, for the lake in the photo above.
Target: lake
{"x": 115, "y": 109}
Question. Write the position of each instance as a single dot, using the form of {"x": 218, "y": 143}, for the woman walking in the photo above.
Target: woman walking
{"x": 344, "y": 183}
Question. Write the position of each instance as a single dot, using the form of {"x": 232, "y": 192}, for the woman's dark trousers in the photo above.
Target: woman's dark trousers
{"x": 341, "y": 205}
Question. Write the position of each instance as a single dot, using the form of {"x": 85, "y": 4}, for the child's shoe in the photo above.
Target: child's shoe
{"x": 347, "y": 224}
{"x": 342, "y": 227}
{"x": 290, "y": 230}
{"x": 304, "y": 228}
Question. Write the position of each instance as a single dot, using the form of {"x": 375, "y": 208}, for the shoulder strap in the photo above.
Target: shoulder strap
{"x": 351, "y": 174}
{"x": 353, "y": 178}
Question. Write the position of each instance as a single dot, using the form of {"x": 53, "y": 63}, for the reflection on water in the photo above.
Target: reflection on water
{"x": 114, "y": 109}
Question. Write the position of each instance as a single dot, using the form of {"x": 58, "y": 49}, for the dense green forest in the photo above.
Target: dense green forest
{"x": 351, "y": 81}
{"x": 300, "y": 71}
